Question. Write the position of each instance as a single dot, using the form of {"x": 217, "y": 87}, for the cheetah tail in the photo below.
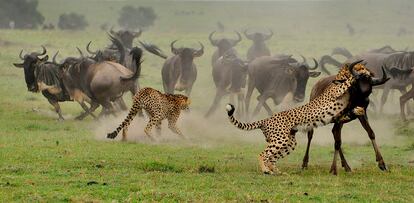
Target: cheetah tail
{"x": 132, "y": 113}
{"x": 244, "y": 126}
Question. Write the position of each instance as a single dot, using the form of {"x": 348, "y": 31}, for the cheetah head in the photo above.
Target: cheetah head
{"x": 183, "y": 101}
{"x": 365, "y": 79}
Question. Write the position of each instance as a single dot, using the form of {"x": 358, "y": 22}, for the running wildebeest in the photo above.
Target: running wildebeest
{"x": 223, "y": 45}
{"x": 179, "y": 71}
{"x": 44, "y": 76}
{"x": 276, "y": 76}
{"x": 229, "y": 75}
{"x": 103, "y": 82}
{"x": 258, "y": 47}
{"x": 359, "y": 97}
{"x": 125, "y": 36}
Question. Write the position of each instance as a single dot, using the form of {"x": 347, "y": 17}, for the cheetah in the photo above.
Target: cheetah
{"x": 280, "y": 129}
{"x": 158, "y": 106}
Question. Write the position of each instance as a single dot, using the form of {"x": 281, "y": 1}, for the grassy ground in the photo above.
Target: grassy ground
{"x": 48, "y": 161}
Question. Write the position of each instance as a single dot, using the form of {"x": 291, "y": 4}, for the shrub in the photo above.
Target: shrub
{"x": 133, "y": 18}
{"x": 20, "y": 14}
{"x": 72, "y": 21}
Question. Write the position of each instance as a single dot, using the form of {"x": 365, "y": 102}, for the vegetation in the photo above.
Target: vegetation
{"x": 72, "y": 21}
{"x": 20, "y": 14}
{"x": 43, "y": 160}
{"x": 133, "y": 18}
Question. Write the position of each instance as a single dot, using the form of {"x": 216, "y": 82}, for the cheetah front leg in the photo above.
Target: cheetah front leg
{"x": 172, "y": 125}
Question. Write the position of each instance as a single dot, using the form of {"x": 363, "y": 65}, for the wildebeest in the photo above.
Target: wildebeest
{"x": 276, "y": 76}
{"x": 229, "y": 75}
{"x": 46, "y": 77}
{"x": 258, "y": 47}
{"x": 359, "y": 97}
{"x": 179, "y": 71}
{"x": 223, "y": 45}
{"x": 126, "y": 36}
{"x": 103, "y": 82}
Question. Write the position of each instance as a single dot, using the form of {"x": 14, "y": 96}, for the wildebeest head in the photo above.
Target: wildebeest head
{"x": 29, "y": 65}
{"x": 365, "y": 79}
{"x": 258, "y": 37}
{"x": 301, "y": 71}
{"x": 224, "y": 44}
{"x": 126, "y": 36}
{"x": 238, "y": 68}
{"x": 186, "y": 55}
{"x": 398, "y": 73}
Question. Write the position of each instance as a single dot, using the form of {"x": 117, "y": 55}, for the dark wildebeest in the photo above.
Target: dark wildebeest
{"x": 359, "y": 97}
{"x": 258, "y": 47}
{"x": 229, "y": 75}
{"x": 103, "y": 82}
{"x": 46, "y": 77}
{"x": 179, "y": 71}
{"x": 276, "y": 76}
{"x": 223, "y": 45}
{"x": 126, "y": 36}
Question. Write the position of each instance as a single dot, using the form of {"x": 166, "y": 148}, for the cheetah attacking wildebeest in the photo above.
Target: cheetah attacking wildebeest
{"x": 280, "y": 129}
{"x": 158, "y": 106}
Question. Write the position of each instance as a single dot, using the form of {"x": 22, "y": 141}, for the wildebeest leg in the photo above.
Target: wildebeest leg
{"x": 403, "y": 99}
{"x": 107, "y": 108}
{"x": 403, "y": 92}
{"x": 336, "y": 131}
{"x": 384, "y": 97}
{"x": 344, "y": 163}
{"x": 219, "y": 95}
{"x": 262, "y": 99}
{"x": 240, "y": 101}
{"x": 371, "y": 134}
{"x": 188, "y": 91}
{"x": 84, "y": 114}
{"x": 268, "y": 109}
{"x": 250, "y": 88}
{"x": 306, "y": 157}
{"x": 56, "y": 105}
{"x": 122, "y": 104}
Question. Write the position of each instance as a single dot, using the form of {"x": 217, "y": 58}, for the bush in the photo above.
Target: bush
{"x": 72, "y": 21}
{"x": 20, "y": 14}
{"x": 133, "y": 18}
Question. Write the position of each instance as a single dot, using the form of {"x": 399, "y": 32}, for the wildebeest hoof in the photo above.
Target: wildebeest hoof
{"x": 60, "y": 119}
{"x": 382, "y": 166}
{"x": 333, "y": 171}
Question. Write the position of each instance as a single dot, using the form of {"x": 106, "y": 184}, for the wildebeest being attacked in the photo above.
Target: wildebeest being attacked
{"x": 359, "y": 97}
{"x": 276, "y": 76}
{"x": 179, "y": 71}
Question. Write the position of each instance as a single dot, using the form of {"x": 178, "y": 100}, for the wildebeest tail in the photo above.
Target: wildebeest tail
{"x": 244, "y": 126}
{"x": 153, "y": 49}
{"x": 136, "y": 53}
{"x": 326, "y": 59}
{"x": 120, "y": 48}
{"x": 127, "y": 121}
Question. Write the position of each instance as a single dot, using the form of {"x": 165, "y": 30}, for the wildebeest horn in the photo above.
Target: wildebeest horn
{"x": 112, "y": 30}
{"x": 351, "y": 68}
{"x": 20, "y": 55}
{"x": 316, "y": 64}
{"x": 199, "y": 52}
{"x": 239, "y": 38}
{"x": 173, "y": 49}
{"x": 303, "y": 59}
{"x": 137, "y": 34}
{"x": 380, "y": 81}
{"x": 37, "y": 54}
{"x": 54, "y": 57}
{"x": 88, "y": 48}
{"x": 212, "y": 41}
{"x": 80, "y": 52}
{"x": 248, "y": 36}
{"x": 269, "y": 35}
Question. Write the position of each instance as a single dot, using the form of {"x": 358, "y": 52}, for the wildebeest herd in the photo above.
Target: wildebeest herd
{"x": 102, "y": 77}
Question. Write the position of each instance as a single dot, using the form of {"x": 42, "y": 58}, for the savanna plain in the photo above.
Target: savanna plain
{"x": 45, "y": 160}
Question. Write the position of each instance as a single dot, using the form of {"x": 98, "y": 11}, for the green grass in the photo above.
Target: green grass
{"x": 44, "y": 160}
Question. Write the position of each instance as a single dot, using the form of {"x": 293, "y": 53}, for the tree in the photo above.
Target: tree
{"x": 72, "y": 21}
{"x": 20, "y": 14}
{"x": 133, "y": 18}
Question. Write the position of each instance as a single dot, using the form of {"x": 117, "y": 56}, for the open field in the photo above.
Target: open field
{"x": 44, "y": 160}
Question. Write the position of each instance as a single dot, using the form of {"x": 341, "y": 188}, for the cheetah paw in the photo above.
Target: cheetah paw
{"x": 359, "y": 111}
